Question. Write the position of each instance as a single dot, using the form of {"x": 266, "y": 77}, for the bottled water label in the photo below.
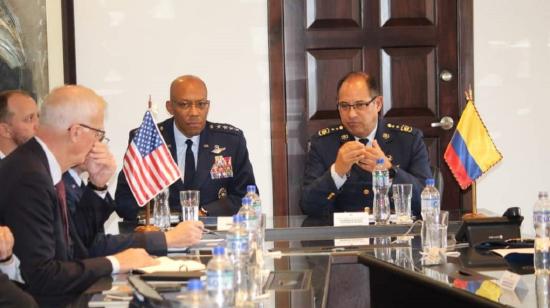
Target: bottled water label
{"x": 541, "y": 217}
{"x": 237, "y": 244}
{"x": 217, "y": 280}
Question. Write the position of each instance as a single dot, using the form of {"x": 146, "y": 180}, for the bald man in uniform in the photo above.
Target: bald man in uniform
{"x": 212, "y": 157}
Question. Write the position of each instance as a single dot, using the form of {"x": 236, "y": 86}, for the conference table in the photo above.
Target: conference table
{"x": 311, "y": 263}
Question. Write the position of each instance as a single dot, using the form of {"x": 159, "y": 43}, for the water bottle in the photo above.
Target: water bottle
{"x": 430, "y": 200}
{"x": 381, "y": 185}
{"x": 251, "y": 192}
{"x": 239, "y": 253}
{"x": 429, "y": 208}
{"x": 237, "y": 241}
{"x": 542, "y": 286}
{"x": 541, "y": 221}
{"x": 161, "y": 211}
{"x": 250, "y": 222}
{"x": 220, "y": 275}
{"x": 195, "y": 297}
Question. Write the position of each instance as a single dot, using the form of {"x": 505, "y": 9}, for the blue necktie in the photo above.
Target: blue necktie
{"x": 189, "y": 165}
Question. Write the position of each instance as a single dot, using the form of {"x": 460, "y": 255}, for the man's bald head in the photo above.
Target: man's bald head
{"x": 71, "y": 104}
{"x": 188, "y": 104}
{"x": 187, "y": 84}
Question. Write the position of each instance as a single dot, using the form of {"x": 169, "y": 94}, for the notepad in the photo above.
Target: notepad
{"x": 170, "y": 265}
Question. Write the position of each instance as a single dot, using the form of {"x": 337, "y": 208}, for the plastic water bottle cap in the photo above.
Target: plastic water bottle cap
{"x": 251, "y": 188}
{"x": 238, "y": 218}
{"x": 379, "y": 161}
{"x": 430, "y": 181}
{"x": 194, "y": 284}
{"x": 247, "y": 201}
{"x": 218, "y": 251}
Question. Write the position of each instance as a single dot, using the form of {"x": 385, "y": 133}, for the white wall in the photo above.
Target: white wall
{"x": 128, "y": 49}
{"x": 228, "y": 47}
{"x": 512, "y": 79}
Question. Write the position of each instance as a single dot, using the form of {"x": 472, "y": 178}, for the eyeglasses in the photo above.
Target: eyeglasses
{"x": 200, "y": 104}
{"x": 99, "y": 134}
{"x": 358, "y": 105}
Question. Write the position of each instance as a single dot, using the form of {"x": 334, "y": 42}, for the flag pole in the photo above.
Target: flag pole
{"x": 148, "y": 227}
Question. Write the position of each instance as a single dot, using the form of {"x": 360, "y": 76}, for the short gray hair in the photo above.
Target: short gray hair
{"x": 68, "y": 105}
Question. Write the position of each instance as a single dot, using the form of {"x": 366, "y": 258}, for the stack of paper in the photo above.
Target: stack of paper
{"x": 170, "y": 265}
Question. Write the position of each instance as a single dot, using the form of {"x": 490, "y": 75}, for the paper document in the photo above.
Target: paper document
{"x": 504, "y": 252}
{"x": 170, "y": 265}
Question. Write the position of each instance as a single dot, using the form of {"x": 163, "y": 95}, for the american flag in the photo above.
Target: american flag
{"x": 148, "y": 166}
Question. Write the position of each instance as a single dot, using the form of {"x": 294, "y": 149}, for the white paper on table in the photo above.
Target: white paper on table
{"x": 170, "y": 265}
{"x": 224, "y": 223}
{"x": 504, "y": 252}
{"x": 351, "y": 219}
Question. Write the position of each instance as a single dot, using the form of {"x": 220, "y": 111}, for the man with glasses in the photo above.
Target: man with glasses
{"x": 18, "y": 120}
{"x": 212, "y": 157}
{"x": 341, "y": 158}
{"x": 33, "y": 202}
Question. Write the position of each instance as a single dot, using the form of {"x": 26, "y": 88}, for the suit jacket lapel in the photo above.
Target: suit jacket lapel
{"x": 204, "y": 163}
{"x": 167, "y": 130}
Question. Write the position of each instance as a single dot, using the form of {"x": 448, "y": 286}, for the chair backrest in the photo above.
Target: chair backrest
{"x": 438, "y": 179}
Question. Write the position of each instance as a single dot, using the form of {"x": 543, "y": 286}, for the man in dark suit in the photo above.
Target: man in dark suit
{"x": 91, "y": 228}
{"x": 11, "y": 295}
{"x": 341, "y": 158}
{"x": 18, "y": 120}
{"x": 54, "y": 260}
{"x": 212, "y": 157}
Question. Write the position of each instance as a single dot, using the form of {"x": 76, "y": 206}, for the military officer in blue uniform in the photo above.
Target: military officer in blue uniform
{"x": 341, "y": 158}
{"x": 213, "y": 157}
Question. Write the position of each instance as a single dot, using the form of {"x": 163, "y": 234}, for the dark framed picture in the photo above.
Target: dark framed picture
{"x": 24, "y": 46}
{"x": 32, "y": 33}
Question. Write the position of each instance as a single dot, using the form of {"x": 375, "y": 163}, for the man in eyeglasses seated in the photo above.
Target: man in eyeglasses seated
{"x": 212, "y": 157}
{"x": 341, "y": 158}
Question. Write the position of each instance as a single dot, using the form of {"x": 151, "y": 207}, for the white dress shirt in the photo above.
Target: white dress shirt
{"x": 181, "y": 148}
{"x": 11, "y": 269}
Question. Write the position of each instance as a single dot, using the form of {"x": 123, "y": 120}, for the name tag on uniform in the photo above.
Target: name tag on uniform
{"x": 222, "y": 167}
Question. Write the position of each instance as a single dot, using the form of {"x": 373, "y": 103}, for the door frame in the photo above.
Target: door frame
{"x": 277, "y": 90}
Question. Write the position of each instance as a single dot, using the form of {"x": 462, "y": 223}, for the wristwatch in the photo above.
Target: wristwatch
{"x": 92, "y": 186}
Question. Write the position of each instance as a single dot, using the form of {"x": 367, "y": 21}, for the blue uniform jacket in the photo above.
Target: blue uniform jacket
{"x": 219, "y": 197}
{"x": 402, "y": 144}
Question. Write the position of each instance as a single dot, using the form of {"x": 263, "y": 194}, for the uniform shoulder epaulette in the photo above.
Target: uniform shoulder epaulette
{"x": 400, "y": 127}
{"x": 225, "y": 128}
{"x": 329, "y": 130}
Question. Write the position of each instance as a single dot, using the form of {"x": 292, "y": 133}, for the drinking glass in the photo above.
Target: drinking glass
{"x": 190, "y": 200}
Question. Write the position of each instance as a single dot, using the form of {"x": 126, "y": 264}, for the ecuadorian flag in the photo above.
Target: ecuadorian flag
{"x": 471, "y": 151}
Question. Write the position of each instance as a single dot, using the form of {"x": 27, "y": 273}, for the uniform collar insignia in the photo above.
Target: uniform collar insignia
{"x": 344, "y": 137}
{"x": 386, "y": 136}
{"x": 205, "y": 146}
{"x": 217, "y": 149}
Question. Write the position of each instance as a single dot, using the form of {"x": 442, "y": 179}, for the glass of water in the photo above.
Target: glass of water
{"x": 190, "y": 200}
{"x": 402, "y": 194}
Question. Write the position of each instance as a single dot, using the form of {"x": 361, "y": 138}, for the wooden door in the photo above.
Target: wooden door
{"x": 408, "y": 45}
